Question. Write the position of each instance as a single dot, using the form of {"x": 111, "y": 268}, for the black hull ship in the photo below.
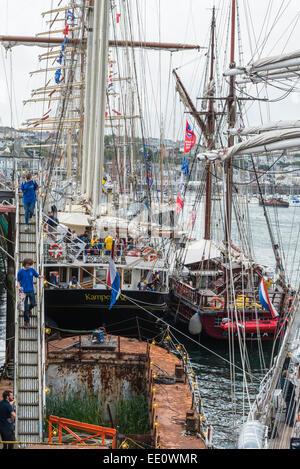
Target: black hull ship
{"x": 78, "y": 287}
{"x": 85, "y": 310}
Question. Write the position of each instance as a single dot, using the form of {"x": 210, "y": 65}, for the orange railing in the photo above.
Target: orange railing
{"x": 96, "y": 430}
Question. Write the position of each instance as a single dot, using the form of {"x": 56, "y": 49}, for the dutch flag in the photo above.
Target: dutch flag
{"x": 265, "y": 300}
{"x": 113, "y": 281}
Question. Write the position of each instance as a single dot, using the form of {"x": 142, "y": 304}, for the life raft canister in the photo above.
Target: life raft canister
{"x": 55, "y": 251}
{"x": 217, "y": 303}
{"x": 149, "y": 254}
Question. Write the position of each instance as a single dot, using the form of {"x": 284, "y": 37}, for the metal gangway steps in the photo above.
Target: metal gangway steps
{"x": 29, "y": 376}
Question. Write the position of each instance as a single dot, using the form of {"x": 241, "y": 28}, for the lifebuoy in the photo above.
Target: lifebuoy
{"x": 149, "y": 254}
{"x": 55, "y": 251}
{"x": 214, "y": 303}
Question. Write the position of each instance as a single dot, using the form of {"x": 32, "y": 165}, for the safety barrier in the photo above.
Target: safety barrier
{"x": 66, "y": 424}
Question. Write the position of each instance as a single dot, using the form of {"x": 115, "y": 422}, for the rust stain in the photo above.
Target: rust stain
{"x": 173, "y": 400}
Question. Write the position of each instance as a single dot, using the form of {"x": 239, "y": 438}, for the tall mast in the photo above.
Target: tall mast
{"x": 210, "y": 134}
{"x": 231, "y": 124}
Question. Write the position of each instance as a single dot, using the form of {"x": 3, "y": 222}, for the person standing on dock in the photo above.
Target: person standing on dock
{"x": 7, "y": 417}
{"x": 25, "y": 282}
{"x": 29, "y": 187}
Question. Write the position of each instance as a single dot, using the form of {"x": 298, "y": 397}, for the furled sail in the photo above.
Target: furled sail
{"x": 267, "y": 142}
{"x": 254, "y": 130}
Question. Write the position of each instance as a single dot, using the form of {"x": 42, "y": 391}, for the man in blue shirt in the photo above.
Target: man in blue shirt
{"x": 28, "y": 188}
{"x": 7, "y": 417}
{"x": 25, "y": 282}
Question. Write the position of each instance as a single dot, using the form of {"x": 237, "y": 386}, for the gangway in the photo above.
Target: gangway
{"x": 29, "y": 371}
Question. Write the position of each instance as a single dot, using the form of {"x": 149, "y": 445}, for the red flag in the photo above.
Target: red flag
{"x": 190, "y": 138}
{"x": 118, "y": 17}
{"x": 179, "y": 204}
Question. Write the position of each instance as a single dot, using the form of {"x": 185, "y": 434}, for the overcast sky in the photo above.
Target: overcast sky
{"x": 184, "y": 21}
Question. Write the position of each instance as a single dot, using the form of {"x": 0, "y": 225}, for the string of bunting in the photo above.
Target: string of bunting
{"x": 69, "y": 19}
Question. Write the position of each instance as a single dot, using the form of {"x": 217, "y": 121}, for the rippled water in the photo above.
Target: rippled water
{"x": 226, "y": 404}
{"x": 224, "y": 399}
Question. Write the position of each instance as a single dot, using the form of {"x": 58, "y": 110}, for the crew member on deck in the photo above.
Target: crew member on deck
{"x": 7, "y": 417}
{"x": 25, "y": 282}
{"x": 28, "y": 187}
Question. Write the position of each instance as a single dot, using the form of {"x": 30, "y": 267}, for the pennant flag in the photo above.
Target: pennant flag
{"x": 265, "y": 300}
{"x": 179, "y": 204}
{"x": 113, "y": 281}
{"x": 190, "y": 138}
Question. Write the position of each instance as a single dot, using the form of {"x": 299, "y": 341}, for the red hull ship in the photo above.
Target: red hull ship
{"x": 212, "y": 284}
{"x": 274, "y": 203}
{"x": 203, "y": 292}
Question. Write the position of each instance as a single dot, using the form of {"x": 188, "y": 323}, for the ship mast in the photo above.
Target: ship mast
{"x": 231, "y": 124}
{"x": 210, "y": 134}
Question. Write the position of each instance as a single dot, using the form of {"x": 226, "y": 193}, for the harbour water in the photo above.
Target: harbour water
{"x": 226, "y": 401}
{"x": 225, "y": 397}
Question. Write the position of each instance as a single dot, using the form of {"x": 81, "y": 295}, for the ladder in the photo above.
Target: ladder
{"x": 29, "y": 376}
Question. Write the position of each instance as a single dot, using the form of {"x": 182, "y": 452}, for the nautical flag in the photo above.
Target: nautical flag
{"x": 185, "y": 167}
{"x": 57, "y": 75}
{"x": 59, "y": 60}
{"x": 70, "y": 16}
{"x": 190, "y": 138}
{"x": 179, "y": 204}
{"x": 113, "y": 281}
{"x": 66, "y": 30}
{"x": 265, "y": 300}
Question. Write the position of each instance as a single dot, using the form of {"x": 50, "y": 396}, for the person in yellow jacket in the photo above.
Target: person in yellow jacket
{"x": 109, "y": 243}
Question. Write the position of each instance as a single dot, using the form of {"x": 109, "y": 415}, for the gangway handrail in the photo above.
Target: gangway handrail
{"x": 29, "y": 423}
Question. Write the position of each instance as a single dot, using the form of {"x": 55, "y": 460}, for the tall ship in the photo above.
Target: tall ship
{"x": 102, "y": 217}
{"x": 216, "y": 286}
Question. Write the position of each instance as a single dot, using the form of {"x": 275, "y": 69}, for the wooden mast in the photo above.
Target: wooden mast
{"x": 210, "y": 134}
{"x": 229, "y": 166}
{"x": 231, "y": 124}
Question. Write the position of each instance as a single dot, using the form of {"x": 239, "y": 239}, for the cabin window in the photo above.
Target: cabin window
{"x": 62, "y": 275}
{"x": 127, "y": 277}
{"x": 74, "y": 273}
{"x": 100, "y": 276}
